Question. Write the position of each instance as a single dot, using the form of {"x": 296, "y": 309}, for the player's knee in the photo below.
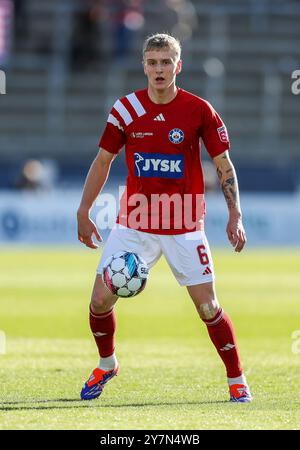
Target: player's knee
{"x": 101, "y": 299}
{"x": 98, "y": 303}
{"x": 205, "y": 300}
{"x": 209, "y": 309}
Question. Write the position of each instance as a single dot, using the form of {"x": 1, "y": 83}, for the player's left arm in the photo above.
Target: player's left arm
{"x": 229, "y": 184}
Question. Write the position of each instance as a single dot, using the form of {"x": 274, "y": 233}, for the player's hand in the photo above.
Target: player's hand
{"x": 86, "y": 230}
{"x": 236, "y": 233}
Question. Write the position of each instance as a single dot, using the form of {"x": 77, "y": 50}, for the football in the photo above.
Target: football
{"x": 125, "y": 274}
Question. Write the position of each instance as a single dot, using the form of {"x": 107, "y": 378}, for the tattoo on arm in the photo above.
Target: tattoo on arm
{"x": 229, "y": 187}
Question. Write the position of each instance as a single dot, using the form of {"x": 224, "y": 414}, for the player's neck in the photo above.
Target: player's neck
{"x": 162, "y": 96}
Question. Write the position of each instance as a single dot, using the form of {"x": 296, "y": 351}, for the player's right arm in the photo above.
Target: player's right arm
{"x": 94, "y": 183}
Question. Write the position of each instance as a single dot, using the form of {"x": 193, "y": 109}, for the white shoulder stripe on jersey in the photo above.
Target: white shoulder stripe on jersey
{"x": 136, "y": 104}
{"x": 123, "y": 112}
{"x": 115, "y": 122}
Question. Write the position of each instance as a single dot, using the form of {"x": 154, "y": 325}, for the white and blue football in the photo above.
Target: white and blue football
{"x": 125, "y": 274}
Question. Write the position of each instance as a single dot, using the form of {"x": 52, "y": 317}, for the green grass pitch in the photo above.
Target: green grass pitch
{"x": 171, "y": 376}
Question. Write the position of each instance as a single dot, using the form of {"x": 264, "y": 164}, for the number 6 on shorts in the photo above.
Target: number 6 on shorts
{"x": 204, "y": 260}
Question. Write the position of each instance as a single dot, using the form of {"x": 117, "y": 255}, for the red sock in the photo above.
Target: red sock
{"x": 103, "y": 328}
{"x": 221, "y": 332}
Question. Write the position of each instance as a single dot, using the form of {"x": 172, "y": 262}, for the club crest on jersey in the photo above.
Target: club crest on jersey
{"x": 176, "y": 135}
{"x": 222, "y": 132}
{"x": 159, "y": 165}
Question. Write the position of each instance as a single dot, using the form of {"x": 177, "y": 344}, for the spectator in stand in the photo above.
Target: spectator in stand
{"x": 186, "y": 18}
{"x": 86, "y": 40}
{"x": 6, "y": 20}
{"x": 37, "y": 175}
{"x": 21, "y": 18}
{"x": 127, "y": 20}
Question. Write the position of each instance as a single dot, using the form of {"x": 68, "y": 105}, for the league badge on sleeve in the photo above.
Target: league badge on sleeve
{"x": 223, "y": 135}
{"x": 176, "y": 135}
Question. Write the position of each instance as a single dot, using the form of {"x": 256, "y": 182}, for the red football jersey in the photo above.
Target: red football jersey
{"x": 165, "y": 187}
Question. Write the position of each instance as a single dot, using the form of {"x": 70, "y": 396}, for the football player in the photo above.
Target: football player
{"x": 162, "y": 209}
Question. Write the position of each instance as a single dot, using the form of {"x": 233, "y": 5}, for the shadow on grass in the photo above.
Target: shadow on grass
{"x": 16, "y": 406}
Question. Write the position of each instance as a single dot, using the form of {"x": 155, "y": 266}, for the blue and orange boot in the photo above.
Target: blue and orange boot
{"x": 94, "y": 386}
{"x": 240, "y": 393}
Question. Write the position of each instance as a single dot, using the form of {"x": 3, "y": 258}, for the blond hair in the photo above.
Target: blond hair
{"x": 161, "y": 41}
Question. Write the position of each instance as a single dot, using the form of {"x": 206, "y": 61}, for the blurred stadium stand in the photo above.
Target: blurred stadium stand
{"x": 71, "y": 59}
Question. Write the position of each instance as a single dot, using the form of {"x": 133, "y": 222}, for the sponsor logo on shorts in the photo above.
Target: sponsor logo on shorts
{"x": 158, "y": 165}
{"x": 207, "y": 271}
